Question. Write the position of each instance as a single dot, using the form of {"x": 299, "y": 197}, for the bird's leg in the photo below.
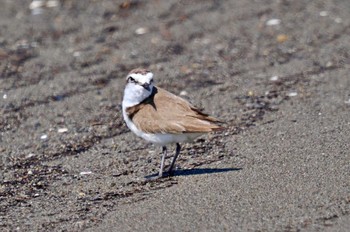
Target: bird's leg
{"x": 178, "y": 148}
{"x": 164, "y": 151}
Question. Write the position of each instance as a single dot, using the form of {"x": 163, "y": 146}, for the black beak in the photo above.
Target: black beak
{"x": 146, "y": 86}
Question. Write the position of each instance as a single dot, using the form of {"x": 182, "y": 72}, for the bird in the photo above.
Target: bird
{"x": 160, "y": 117}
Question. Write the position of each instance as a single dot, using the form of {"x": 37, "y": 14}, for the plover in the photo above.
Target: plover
{"x": 161, "y": 117}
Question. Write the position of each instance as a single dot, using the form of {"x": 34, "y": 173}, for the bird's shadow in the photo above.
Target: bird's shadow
{"x": 195, "y": 171}
{"x": 201, "y": 171}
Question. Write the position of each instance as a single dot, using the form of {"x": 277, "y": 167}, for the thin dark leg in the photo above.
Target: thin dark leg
{"x": 164, "y": 151}
{"x": 178, "y": 149}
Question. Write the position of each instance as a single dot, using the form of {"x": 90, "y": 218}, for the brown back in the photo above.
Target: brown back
{"x": 164, "y": 112}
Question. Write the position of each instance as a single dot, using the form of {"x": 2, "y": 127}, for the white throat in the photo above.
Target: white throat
{"x": 135, "y": 94}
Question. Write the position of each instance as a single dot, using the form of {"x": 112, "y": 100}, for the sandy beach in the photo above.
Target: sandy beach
{"x": 275, "y": 71}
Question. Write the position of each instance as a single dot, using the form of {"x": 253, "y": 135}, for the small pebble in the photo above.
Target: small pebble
{"x": 43, "y": 137}
{"x": 274, "y": 78}
{"x": 183, "y": 93}
{"x": 281, "y": 38}
{"x": 273, "y": 22}
{"x": 62, "y": 130}
{"x": 141, "y": 31}
{"x": 323, "y": 13}
{"x": 4, "y": 96}
{"x": 81, "y": 194}
{"x": 338, "y": 20}
{"x": 329, "y": 64}
{"x": 85, "y": 173}
{"x": 292, "y": 94}
{"x": 76, "y": 54}
{"x": 37, "y": 7}
{"x": 36, "y": 4}
{"x": 347, "y": 102}
{"x": 30, "y": 155}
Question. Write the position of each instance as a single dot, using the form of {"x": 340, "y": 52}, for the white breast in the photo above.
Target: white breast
{"x": 160, "y": 139}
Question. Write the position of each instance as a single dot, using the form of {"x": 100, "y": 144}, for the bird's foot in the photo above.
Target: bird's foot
{"x": 171, "y": 171}
{"x": 158, "y": 176}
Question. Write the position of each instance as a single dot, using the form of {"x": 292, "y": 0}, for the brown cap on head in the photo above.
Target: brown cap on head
{"x": 141, "y": 71}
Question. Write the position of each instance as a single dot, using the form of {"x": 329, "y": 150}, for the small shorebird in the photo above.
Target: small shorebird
{"x": 161, "y": 117}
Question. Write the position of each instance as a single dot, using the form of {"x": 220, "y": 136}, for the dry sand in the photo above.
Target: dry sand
{"x": 68, "y": 162}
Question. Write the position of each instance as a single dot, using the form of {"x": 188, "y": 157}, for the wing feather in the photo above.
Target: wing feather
{"x": 164, "y": 112}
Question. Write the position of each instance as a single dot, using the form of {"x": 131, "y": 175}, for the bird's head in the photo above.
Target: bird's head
{"x": 139, "y": 86}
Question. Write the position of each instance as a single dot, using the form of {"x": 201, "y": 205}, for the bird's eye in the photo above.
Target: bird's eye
{"x": 151, "y": 81}
{"x": 132, "y": 80}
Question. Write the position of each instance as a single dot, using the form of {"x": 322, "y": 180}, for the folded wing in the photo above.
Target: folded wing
{"x": 164, "y": 112}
